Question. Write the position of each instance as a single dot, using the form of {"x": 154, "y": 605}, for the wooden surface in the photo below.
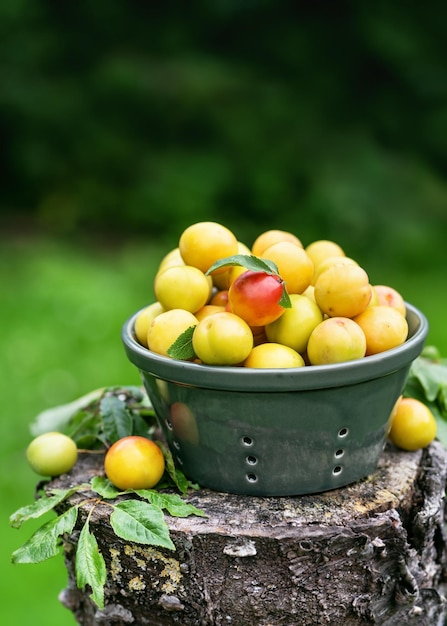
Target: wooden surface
{"x": 370, "y": 553}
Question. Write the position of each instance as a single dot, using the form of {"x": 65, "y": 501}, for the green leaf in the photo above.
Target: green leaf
{"x": 251, "y": 262}
{"x": 58, "y": 417}
{"x": 90, "y": 566}
{"x": 84, "y": 428}
{"x": 177, "y": 476}
{"x": 441, "y": 433}
{"x": 182, "y": 348}
{"x": 285, "y": 298}
{"x": 442, "y": 400}
{"x": 40, "y": 506}
{"x": 413, "y": 389}
{"x": 144, "y": 427}
{"x": 141, "y": 522}
{"x": 103, "y": 486}
{"x": 117, "y": 419}
{"x": 136, "y": 394}
{"x": 172, "y": 502}
{"x": 44, "y": 543}
{"x": 431, "y": 375}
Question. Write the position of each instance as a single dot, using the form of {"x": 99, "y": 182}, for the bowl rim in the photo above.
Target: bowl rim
{"x": 236, "y": 378}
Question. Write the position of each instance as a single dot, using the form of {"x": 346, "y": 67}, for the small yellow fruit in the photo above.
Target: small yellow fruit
{"x": 295, "y": 325}
{"x": 52, "y": 454}
{"x": 144, "y": 320}
{"x": 294, "y": 265}
{"x": 332, "y": 260}
{"x": 270, "y": 237}
{"x": 335, "y": 340}
{"x": 321, "y": 249}
{"x": 274, "y": 355}
{"x": 384, "y": 327}
{"x": 167, "y": 327}
{"x": 222, "y": 339}
{"x": 171, "y": 259}
{"x": 204, "y": 243}
{"x": 182, "y": 287}
{"x": 134, "y": 462}
{"x": 343, "y": 290}
{"x": 413, "y": 425}
{"x": 388, "y": 296}
{"x": 208, "y": 309}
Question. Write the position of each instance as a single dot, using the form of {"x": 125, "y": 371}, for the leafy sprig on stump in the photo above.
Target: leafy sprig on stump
{"x": 135, "y": 515}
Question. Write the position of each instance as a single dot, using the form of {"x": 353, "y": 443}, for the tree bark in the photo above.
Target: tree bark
{"x": 370, "y": 553}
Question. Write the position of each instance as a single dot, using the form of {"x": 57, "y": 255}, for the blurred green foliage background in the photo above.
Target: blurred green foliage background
{"x": 123, "y": 122}
{"x": 330, "y": 118}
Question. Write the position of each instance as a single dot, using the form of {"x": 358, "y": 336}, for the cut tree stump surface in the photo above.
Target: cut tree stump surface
{"x": 370, "y": 553}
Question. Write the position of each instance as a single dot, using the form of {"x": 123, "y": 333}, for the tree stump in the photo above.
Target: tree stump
{"x": 370, "y": 553}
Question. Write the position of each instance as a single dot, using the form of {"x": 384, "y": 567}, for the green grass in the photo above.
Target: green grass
{"x": 62, "y": 308}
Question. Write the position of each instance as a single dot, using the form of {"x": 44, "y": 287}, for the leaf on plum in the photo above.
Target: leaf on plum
{"x": 285, "y": 298}
{"x": 251, "y": 262}
{"x": 182, "y": 348}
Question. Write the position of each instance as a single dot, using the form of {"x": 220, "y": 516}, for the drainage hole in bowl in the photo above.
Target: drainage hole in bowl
{"x": 251, "y": 460}
{"x": 180, "y": 460}
{"x": 176, "y": 444}
{"x": 168, "y": 424}
{"x": 337, "y": 470}
{"x": 252, "y": 478}
{"x": 247, "y": 441}
{"x": 343, "y": 432}
{"x": 339, "y": 453}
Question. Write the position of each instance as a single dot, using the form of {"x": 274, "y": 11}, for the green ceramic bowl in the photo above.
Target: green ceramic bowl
{"x": 276, "y": 432}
